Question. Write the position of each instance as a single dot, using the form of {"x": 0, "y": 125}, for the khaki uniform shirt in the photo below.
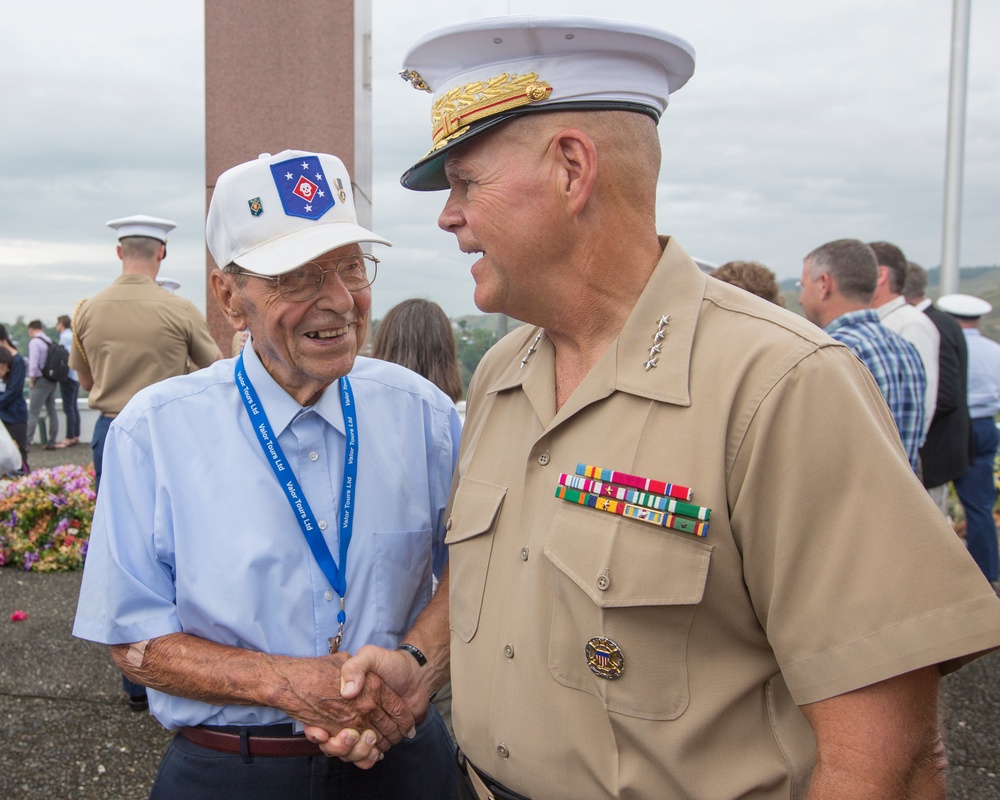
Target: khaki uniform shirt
{"x": 826, "y": 566}
{"x": 134, "y": 334}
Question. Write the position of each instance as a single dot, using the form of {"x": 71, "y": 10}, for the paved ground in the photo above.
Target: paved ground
{"x": 66, "y": 731}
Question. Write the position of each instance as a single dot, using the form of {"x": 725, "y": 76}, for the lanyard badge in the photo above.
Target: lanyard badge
{"x": 295, "y": 496}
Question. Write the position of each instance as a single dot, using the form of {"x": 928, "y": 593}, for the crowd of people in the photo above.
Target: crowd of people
{"x": 686, "y": 543}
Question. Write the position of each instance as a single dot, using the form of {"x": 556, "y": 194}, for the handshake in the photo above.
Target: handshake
{"x": 383, "y": 695}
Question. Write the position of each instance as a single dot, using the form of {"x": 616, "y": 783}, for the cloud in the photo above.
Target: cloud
{"x": 803, "y": 123}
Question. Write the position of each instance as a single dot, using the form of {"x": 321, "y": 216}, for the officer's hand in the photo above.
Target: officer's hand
{"x": 312, "y": 695}
{"x": 400, "y": 672}
{"x": 397, "y": 668}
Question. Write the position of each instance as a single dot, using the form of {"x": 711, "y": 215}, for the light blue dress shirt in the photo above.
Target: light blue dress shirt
{"x": 192, "y": 532}
{"x": 984, "y": 374}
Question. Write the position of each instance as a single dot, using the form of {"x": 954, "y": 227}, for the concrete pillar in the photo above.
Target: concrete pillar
{"x": 294, "y": 74}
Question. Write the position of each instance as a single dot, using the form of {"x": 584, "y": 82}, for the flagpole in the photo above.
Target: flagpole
{"x": 955, "y": 146}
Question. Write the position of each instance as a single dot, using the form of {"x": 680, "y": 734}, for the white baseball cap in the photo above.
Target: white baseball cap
{"x": 964, "y": 305}
{"x": 486, "y": 71}
{"x": 142, "y": 225}
{"x": 276, "y": 213}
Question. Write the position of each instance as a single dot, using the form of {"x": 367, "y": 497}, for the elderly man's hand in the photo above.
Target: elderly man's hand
{"x": 312, "y": 695}
{"x": 396, "y": 669}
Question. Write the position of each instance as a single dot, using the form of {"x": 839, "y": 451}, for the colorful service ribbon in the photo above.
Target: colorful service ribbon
{"x": 634, "y": 482}
{"x": 632, "y": 511}
{"x": 654, "y": 501}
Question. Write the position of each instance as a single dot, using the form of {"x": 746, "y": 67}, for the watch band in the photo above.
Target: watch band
{"x": 413, "y": 651}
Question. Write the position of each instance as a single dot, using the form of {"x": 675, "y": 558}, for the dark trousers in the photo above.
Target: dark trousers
{"x": 978, "y": 493}
{"x": 69, "y": 390}
{"x": 97, "y": 445}
{"x": 422, "y": 768}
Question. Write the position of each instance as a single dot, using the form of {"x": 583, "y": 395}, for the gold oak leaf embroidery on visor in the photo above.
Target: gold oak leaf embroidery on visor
{"x": 464, "y": 105}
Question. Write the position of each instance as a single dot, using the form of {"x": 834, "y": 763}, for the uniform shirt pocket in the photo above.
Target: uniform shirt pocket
{"x": 636, "y": 584}
{"x": 469, "y": 538}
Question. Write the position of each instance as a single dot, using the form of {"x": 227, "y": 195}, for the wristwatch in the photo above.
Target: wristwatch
{"x": 413, "y": 651}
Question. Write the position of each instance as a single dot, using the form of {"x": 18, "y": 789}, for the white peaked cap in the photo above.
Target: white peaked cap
{"x": 486, "y": 71}
{"x": 142, "y": 225}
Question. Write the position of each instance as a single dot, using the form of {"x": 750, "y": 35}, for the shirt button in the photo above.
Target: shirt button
{"x": 509, "y": 651}
{"x": 313, "y": 456}
{"x": 447, "y": 525}
{"x": 322, "y": 524}
{"x": 603, "y": 583}
{"x": 503, "y": 751}
{"x": 524, "y": 553}
{"x": 328, "y": 596}
{"x": 543, "y": 458}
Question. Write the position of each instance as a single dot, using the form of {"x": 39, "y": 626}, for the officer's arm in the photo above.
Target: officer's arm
{"x": 414, "y": 682}
{"x": 880, "y": 741}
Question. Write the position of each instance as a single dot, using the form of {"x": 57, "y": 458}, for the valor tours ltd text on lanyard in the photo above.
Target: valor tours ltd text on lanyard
{"x": 296, "y": 498}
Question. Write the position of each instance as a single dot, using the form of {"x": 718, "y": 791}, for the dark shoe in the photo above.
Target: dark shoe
{"x": 137, "y": 704}
{"x": 49, "y": 446}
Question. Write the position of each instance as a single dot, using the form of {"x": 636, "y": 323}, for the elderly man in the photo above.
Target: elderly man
{"x": 261, "y": 519}
{"x": 667, "y": 580}
{"x": 838, "y": 280}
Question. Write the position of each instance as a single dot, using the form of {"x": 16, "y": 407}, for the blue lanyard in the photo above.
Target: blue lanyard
{"x": 294, "y": 494}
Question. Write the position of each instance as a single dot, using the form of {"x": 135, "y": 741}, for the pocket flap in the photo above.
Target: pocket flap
{"x": 474, "y": 510}
{"x": 619, "y": 563}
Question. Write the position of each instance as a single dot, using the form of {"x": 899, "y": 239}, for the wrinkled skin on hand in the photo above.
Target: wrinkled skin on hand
{"x": 376, "y": 707}
{"x": 371, "y": 664}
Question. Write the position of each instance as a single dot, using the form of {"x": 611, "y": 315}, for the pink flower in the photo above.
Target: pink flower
{"x": 18, "y": 615}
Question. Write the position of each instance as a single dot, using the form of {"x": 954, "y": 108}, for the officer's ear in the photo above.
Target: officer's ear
{"x": 225, "y": 287}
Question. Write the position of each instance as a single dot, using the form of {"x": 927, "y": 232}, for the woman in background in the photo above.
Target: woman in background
{"x": 417, "y": 334}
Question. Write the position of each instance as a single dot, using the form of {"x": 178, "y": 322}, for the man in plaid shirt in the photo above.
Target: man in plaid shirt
{"x": 838, "y": 281}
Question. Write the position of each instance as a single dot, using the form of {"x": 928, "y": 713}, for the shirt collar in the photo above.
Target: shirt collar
{"x": 281, "y": 408}
{"x": 886, "y": 309}
{"x": 852, "y": 318}
{"x": 651, "y": 357}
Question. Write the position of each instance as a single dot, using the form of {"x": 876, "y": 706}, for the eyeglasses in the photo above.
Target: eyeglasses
{"x": 356, "y": 272}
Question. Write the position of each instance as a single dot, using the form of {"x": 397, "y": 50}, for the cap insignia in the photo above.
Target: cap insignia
{"x": 256, "y": 207}
{"x": 301, "y": 195}
{"x": 413, "y": 78}
{"x": 464, "y": 105}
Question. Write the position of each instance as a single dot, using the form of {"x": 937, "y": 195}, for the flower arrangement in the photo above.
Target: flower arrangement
{"x": 45, "y": 519}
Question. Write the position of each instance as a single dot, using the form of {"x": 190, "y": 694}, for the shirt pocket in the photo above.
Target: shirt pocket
{"x": 469, "y": 538}
{"x": 639, "y": 586}
{"x": 403, "y": 578}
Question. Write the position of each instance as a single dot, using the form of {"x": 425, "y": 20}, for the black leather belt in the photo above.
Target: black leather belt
{"x": 257, "y": 740}
{"x": 495, "y": 788}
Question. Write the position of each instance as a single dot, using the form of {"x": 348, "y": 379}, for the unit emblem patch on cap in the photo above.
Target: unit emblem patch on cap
{"x": 302, "y": 187}
{"x": 256, "y": 207}
{"x": 605, "y": 658}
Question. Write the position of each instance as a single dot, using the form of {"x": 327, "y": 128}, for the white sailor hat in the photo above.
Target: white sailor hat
{"x": 485, "y": 71}
{"x": 964, "y": 305}
{"x": 279, "y": 212}
{"x": 142, "y": 225}
{"x": 169, "y": 284}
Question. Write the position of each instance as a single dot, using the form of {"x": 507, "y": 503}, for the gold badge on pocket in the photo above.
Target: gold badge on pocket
{"x": 605, "y": 658}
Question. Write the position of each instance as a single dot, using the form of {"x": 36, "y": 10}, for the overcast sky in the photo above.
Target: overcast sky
{"x": 804, "y": 122}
